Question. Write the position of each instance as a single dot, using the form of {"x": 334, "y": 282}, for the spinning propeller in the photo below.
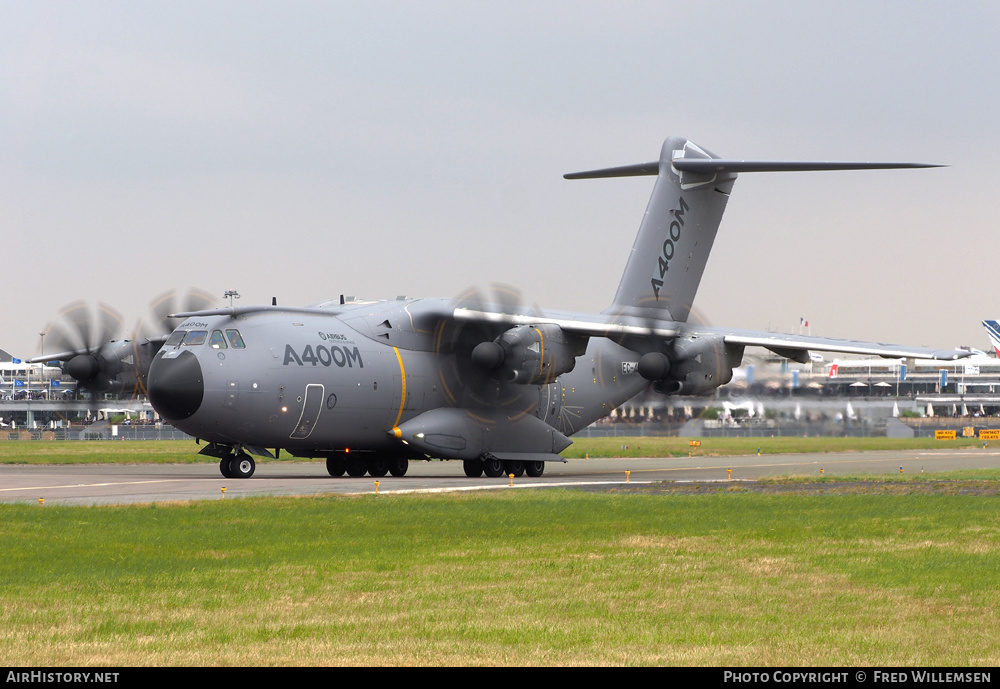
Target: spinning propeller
{"x": 83, "y": 338}
{"x": 171, "y": 302}
{"x": 78, "y": 338}
{"x": 473, "y": 376}
{"x": 689, "y": 362}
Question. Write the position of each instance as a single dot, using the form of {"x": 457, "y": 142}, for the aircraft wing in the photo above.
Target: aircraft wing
{"x": 610, "y": 327}
{"x": 784, "y": 345}
{"x": 796, "y": 347}
{"x": 60, "y": 356}
{"x": 66, "y": 356}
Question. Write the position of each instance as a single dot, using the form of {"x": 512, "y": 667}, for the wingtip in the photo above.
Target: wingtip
{"x": 951, "y": 354}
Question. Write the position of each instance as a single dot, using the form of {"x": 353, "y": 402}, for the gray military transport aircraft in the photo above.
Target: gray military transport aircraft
{"x": 370, "y": 385}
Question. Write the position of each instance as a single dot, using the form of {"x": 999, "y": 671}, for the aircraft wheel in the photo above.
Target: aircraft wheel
{"x": 356, "y": 467}
{"x": 515, "y": 467}
{"x": 336, "y": 466}
{"x": 473, "y": 468}
{"x": 242, "y": 466}
{"x": 534, "y": 469}
{"x": 398, "y": 466}
{"x": 493, "y": 468}
{"x": 224, "y": 466}
{"x": 379, "y": 466}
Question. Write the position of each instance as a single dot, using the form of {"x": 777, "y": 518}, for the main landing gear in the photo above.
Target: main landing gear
{"x": 534, "y": 469}
{"x": 495, "y": 468}
{"x": 374, "y": 464}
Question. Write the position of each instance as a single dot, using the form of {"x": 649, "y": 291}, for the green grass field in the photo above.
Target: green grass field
{"x": 525, "y": 578}
{"x": 890, "y": 573}
{"x": 100, "y": 452}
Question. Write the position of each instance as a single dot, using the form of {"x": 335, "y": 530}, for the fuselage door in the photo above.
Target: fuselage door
{"x": 311, "y": 408}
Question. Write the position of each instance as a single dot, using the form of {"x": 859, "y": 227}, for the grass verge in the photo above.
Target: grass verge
{"x": 516, "y": 578}
{"x": 101, "y": 452}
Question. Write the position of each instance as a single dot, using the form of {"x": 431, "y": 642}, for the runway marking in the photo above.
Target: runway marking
{"x": 94, "y": 485}
{"x": 953, "y": 453}
{"x": 795, "y": 464}
{"x": 507, "y": 486}
{"x": 559, "y": 484}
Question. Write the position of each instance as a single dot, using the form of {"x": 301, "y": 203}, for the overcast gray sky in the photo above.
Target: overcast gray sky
{"x": 307, "y": 149}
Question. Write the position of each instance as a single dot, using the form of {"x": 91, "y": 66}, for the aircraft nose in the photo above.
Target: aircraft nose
{"x": 176, "y": 386}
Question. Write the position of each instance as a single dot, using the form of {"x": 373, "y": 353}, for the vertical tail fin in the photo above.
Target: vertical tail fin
{"x": 993, "y": 330}
{"x": 678, "y": 230}
{"x": 676, "y": 234}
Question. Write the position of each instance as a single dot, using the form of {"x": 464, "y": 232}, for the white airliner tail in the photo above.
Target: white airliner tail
{"x": 993, "y": 330}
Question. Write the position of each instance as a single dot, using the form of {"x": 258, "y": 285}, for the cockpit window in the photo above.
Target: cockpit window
{"x": 175, "y": 338}
{"x": 195, "y": 337}
{"x": 235, "y": 339}
{"x": 218, "y": 340}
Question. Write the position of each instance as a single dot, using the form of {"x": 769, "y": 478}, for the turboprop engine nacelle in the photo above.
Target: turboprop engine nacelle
{"x": 114, "y": 368}
{"x": 695, "y": 365}
{"x": 98, "y": 372}
{"x": 530, "y": 354}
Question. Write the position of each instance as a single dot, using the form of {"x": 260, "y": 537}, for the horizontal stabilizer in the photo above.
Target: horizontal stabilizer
{"x": 709, "y": 165}
{"x": 717, "y": 165}
{"x": 682, "y": 218}
{"x": 639, "y": 170}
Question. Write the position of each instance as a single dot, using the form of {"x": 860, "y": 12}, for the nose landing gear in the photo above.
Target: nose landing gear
{"x": 237, "y": 465}
{"x": 242, "y": 466}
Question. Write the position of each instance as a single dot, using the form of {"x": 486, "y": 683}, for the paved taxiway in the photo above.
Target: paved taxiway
{"x": 114, "y": 484}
